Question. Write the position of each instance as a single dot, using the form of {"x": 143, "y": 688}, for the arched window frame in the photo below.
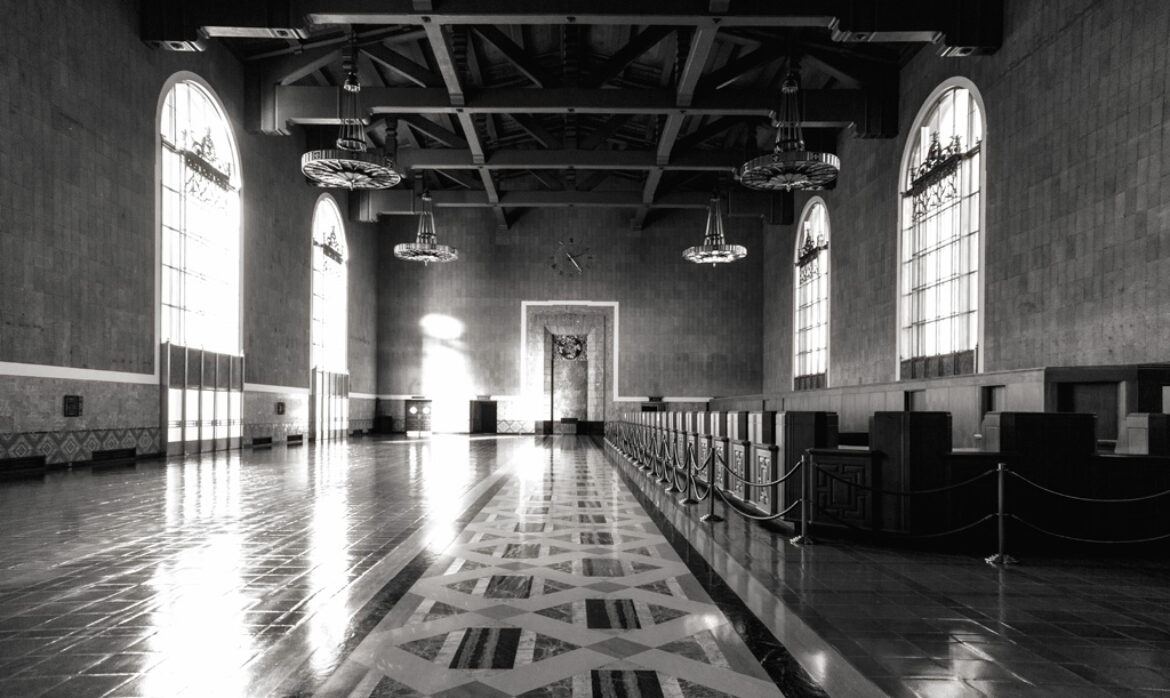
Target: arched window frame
{"x": 330, "y": 298}
{"x": 201, "y": 362}
{"x": 164, "y": 247}
{"x": 973, "y": 157}
{"x": 811, "y": 317}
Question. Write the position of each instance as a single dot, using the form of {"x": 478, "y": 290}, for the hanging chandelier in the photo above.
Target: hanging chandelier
{"x": 714, "y": 249}
{"x": 789, "y": 166}
{"x": 425, "y": 248}
{"x": 349, "y": 164}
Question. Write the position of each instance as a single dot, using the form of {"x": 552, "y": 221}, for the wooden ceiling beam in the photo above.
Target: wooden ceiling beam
{"x": 264, "y": 77}
{"x": 531, "y": 159}
{"x": 707, "y": 131}
{"x": 368, "y": 205}
{"x": 371, "y": 203}
{"x": 441, "y": 49}
{"x": 489, "y": 186}
{"x": 532, "y": 126}
{"x": 440, "y": 44}
{"x": 605, "y": 131}
{"x": 285, "y": 70}
{"x": 670, "y": 130}
{"x": 722, "y": 77}
{"x": 471, "y": 134}
{"x": 318, "y": 105}
{"x": 650, "y": 186}
{"x": 549, "y": 180}
{"x": 463, "y": 180}
{"x": 803, "y": 13}
{"x": 516, "y": 55}
{"x": 647, "y": 39}
{"x": 962, "y": 27}
{"x": 702, "y": 41}
{"x": 400, "y": 64}
{"x": 638, "y": 221}
{"x": 590, "y": 181}
{"x": 427, "y": 127}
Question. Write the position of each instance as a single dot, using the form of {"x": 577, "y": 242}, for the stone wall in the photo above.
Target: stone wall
{"x": 684, "y": 330}
{"x": 1077, "y": 261}
{"x": 78, "y": 236}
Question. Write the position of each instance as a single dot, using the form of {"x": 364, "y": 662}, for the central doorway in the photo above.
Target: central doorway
{"x": 569, "y": 352}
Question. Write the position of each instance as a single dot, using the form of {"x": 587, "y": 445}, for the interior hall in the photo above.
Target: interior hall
{"x": 584, "y": 349}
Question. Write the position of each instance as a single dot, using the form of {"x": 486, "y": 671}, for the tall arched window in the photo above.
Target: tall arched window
{"x": 330, "y": 253}
{"x": 200, "y": 217}
{"x": 810, "y": 322}
{"x": 199, "y": 297}
{"x": 329, "y": 402}
{"x": 941, "y": 226}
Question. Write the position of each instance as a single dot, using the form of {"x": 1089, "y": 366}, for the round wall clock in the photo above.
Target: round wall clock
{"x": 570, "y": 257}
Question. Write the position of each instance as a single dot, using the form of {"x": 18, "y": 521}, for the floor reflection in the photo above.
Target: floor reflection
{"x": 198, "y": 576}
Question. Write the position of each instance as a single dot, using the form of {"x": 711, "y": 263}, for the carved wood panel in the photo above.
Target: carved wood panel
{"x": 738, "y": 466}
{"x": 704, "y": 467}
{"x": 763, "y": 470}
{"x": 836, "y": 502}
{"x": 721, "y": 459}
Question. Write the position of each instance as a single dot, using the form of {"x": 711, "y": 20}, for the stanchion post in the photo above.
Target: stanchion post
{"x": 691, "y": 461}
{"x": 660, "y": 466}
{"x": 711, "y": 516}
{"x": 672, "y": 478}
{"x": 806, "y": 473}
{"x": 1001, "y": 557}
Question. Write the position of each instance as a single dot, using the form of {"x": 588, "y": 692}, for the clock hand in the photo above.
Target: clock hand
{"x": 574, "y": 261}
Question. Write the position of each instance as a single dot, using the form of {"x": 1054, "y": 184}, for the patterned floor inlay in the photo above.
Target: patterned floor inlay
{"x": 560, "y": 586}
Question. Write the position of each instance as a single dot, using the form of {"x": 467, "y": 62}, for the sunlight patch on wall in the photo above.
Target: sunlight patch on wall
{"x": 446, "y": 379}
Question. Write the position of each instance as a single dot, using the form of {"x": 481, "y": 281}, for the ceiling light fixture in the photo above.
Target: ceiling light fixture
{"x": 789, "y": 166}
{"x": 350, "y": 165}
{"x": 714, "y": 249}
{"x": 425, "y": 248}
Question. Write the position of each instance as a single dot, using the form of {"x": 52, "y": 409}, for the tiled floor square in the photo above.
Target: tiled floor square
{"x": 508, "y": 587}
{"x": 626, "y": 684}
{"x": 611, "y": 614}
{"x": 487, "y": 648}
{"x": 601, "y": 567}
{"x": 596, "y": 538}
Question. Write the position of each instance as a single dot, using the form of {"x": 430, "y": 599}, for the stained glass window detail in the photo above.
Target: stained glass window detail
{"x": 811, "y": 308}
{"x": 200, "y": 217}
{"x": 329, "y": 330}
{"x": 941, "y": 226}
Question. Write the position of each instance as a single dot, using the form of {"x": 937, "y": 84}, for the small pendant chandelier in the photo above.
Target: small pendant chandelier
{"x": 349, "y": 165}
{"x": 425, "y": 248}
{"x": 789, "y": 166}
{"x": 714, "y": 249}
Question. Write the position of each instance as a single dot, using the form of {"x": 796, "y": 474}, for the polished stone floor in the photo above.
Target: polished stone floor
{"x": 873, "y": 620}
{"x": 494, "y": 566}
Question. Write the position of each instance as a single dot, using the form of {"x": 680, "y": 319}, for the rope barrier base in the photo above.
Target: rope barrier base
{"x": 688, "y": 500}
{"x": 710, "y": 518}
{"x": 801, "y": 540}
{"x": 1001, "y": 560}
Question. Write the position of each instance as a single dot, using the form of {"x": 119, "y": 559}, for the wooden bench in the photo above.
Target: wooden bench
{"x": 25, "y": 466}
{"x": 113, "y": 458}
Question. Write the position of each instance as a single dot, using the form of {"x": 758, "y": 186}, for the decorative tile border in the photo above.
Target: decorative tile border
{"x": 513, "y": 426}
{"x": 75, "y": 446}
